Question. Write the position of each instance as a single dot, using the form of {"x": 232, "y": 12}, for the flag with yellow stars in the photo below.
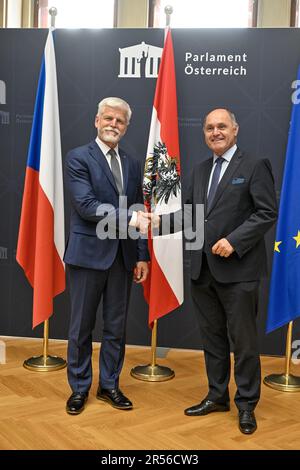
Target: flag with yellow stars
{"x": 284, "y": 301}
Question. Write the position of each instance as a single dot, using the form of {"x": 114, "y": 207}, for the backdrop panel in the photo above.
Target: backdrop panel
{"x": 247, "y": 70}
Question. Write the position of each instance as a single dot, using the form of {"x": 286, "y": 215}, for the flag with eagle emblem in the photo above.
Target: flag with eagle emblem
{"x": 162, "y": 192}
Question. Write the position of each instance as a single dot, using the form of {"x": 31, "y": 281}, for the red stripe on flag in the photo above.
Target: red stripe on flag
{"x": 156, "y": 282}
{"x": 165, "y": 101}
{"x": 36, "y": 251}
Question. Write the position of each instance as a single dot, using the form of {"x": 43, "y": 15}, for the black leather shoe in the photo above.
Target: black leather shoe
{"x": 247, "y": 421}
{"x": 205, "y": 407}
{"x": 76, "y": 403}
{"x": 115, "y": 398}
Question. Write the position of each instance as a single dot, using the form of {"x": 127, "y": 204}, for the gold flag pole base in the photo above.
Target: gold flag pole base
{"x": 152, "y": 373}
{"x": 283, "y": 382}
{"x": 44, "y": 363}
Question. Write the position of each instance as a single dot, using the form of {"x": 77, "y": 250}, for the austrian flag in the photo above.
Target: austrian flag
{"x": 162, "y": 192}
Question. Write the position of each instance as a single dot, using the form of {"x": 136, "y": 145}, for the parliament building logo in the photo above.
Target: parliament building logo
{"x": 3, "y": 252}
{"x": 141, "y": 60}
{"x": 4, "y": 116}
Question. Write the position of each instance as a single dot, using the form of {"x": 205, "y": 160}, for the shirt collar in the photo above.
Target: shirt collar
{"x": 228, "y": 154}
{"x": 105, "y": 148}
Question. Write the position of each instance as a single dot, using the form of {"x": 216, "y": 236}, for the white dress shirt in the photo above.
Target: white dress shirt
{"x": 105, "y": 149}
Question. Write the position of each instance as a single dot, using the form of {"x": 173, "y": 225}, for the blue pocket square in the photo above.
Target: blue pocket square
{"x": 238, "y": 181}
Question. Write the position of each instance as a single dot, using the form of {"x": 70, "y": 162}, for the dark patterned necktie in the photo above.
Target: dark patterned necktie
{"x": 115, "y": 169}
{"x": 214, "y": 181}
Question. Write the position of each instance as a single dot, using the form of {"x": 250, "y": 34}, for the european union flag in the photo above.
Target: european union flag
{"x": 284, "y": 301}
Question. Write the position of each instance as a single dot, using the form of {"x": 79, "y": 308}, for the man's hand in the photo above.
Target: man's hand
{"x": 155, "y": 220}
{"x": 143, "y": 221}
{"x": 141, "y": 271}
{"x": 222, "y": 248}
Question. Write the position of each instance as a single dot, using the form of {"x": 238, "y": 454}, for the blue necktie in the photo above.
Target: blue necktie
{"x": 214, "y": 181}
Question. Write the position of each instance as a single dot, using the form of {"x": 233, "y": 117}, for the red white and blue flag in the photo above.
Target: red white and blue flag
{"x": 41, "y": 239}
{"x": 162, "y": 192}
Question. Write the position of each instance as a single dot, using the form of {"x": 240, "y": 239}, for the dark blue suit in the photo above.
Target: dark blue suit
{"x": 99, "y": 269}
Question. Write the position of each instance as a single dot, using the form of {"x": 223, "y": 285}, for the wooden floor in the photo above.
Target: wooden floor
{"x": 32, "y": 408}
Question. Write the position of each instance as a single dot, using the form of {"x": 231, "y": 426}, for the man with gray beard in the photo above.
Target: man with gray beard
{"x": 99, "y": 175}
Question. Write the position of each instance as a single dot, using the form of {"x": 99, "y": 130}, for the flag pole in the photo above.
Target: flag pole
{"x": 46, "y": 363}
{"x": 168, "y": 13}
{"x": 154, "y": 372}
{"x": 285, "y": 382}
{"x": 53, "y": 13}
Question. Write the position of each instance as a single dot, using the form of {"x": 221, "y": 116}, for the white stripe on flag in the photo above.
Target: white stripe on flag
{"x": 50, "y": 177}
{"x": 167, "y": 248}
{"x": 168, "y": 252}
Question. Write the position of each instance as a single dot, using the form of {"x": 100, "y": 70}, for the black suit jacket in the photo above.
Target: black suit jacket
{"x": 244, "y": 208}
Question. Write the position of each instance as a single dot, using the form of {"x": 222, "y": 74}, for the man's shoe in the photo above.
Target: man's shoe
{"x": 205, "y": 407}
{"x": 247, "y": 422}
{"x": 115, "y": 398}
{"x": 76, "y": 403}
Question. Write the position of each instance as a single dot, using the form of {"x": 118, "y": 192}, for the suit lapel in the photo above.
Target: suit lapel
{"x": 100, "y": 158}
{"x": 205, "y": 175}
{"x": 230, "y": 170}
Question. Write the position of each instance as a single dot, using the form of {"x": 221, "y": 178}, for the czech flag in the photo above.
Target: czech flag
{"x": 41, "y": 239}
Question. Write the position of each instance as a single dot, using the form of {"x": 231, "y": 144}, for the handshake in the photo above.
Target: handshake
{"x": 145, "y": 220}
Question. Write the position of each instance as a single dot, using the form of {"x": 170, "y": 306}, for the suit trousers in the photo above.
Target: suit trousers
{"x": 87, "y": 288}
{"x": 228, "y": 310}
